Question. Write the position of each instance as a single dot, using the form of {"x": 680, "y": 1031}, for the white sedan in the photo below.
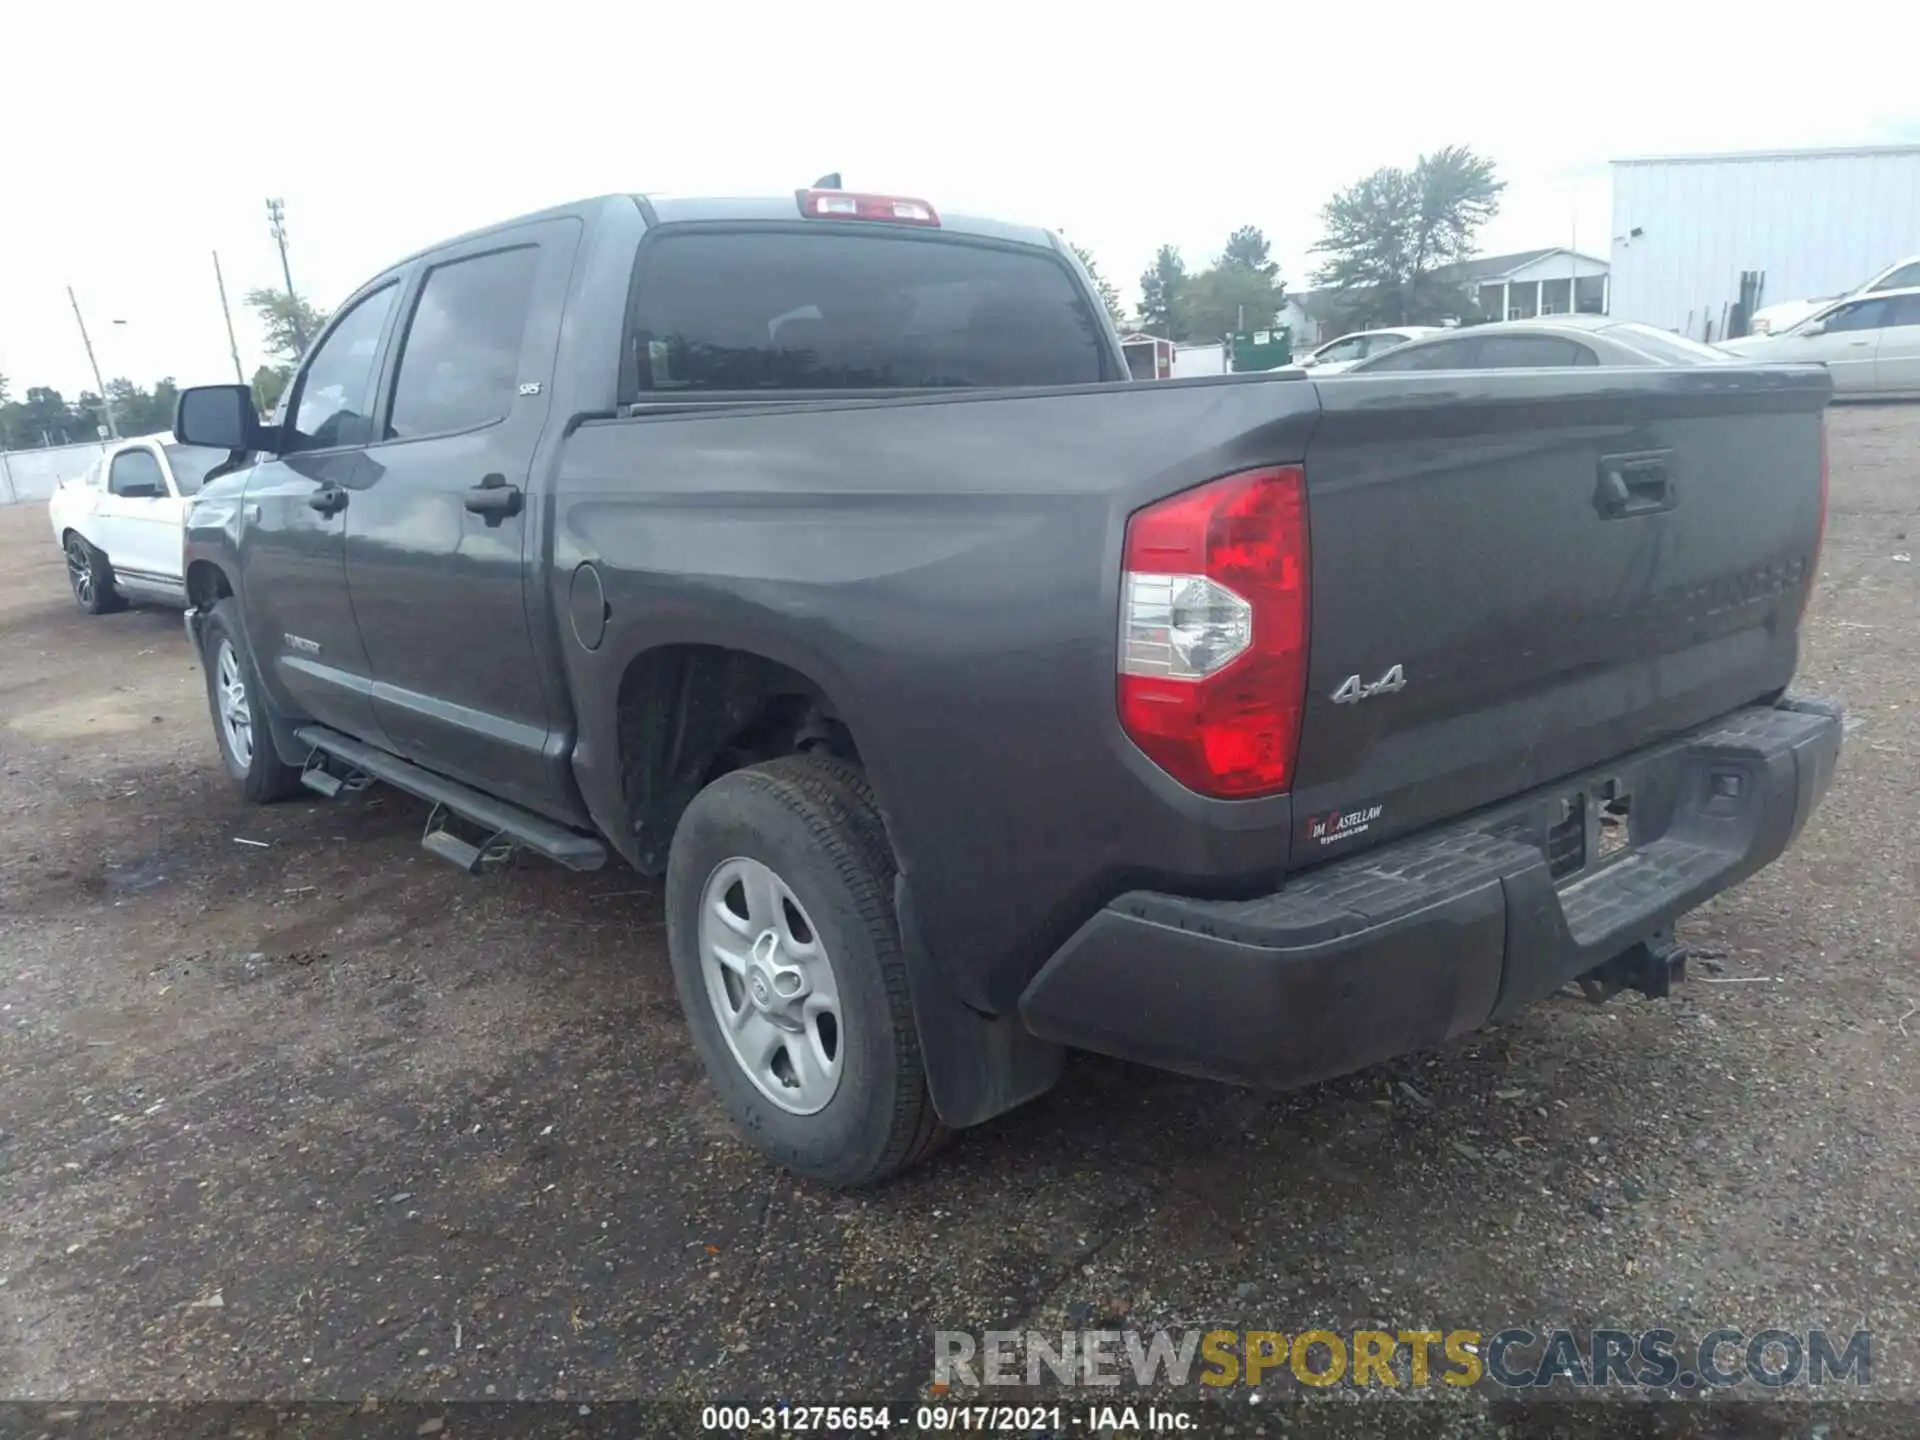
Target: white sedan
{"x": 1778, "y": 318}
{"x": 120, "y": 523}
{"x": 1870, "y": 344}
{"x": 1336, "y": 355}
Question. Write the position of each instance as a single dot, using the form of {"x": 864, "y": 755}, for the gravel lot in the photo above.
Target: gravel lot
{"x": 321, "y": 1117}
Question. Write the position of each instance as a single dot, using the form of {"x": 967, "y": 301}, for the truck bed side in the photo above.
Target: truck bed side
{"x": 947, "y": 570}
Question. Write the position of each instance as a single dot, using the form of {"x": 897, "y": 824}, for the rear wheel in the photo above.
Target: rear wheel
{"x": 239, "y": 710}
{"x": 787, "y": 958}
{"x": 91, "y": 577}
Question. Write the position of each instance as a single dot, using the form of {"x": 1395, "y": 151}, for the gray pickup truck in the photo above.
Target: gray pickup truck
{"x": 975, "y": 703}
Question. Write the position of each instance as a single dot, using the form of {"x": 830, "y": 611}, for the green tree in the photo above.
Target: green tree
{"x": 1389, "y": 232}
{"x": 1243, "y": 291}
{"x": 269, "y": 384}
{"x": 1163, "y": 293}
{"x": 1228, "y": 298}
{"x": 140, "y": 411}
{"x": 1109, "y": 296}
{"x": 290, "y": 322}
{"x": 166, "y": 397}
{"x": 1247, "y": 249}
{"x": 43, "y": 418}
{"x": 88, "y": 416}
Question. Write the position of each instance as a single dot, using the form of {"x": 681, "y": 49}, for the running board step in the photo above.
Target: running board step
{"x": 321, "y": 780}
{"x": 442, "y": 837}
{"x": 500, "y": 821}
{"x": 318, "y": 776}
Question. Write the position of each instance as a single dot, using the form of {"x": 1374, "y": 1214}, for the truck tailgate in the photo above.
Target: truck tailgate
{"x": 1518, "y": 575}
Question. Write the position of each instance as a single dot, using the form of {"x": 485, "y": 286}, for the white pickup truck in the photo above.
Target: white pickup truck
{"x": 120, "y": 523}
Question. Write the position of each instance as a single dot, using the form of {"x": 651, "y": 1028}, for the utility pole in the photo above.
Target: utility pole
{"x": 233, "y": 346}
{"x": 113, "y": 429}
{"x": 277, "y": 222}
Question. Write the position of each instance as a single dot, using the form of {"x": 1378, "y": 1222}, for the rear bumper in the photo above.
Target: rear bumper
{"x": 1403, "y": 947}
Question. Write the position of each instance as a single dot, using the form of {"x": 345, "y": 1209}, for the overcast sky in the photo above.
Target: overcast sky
{"x": 143, "y": 140}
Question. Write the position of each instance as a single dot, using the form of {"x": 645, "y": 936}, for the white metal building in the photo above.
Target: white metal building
{"x": 1812, "y": 222}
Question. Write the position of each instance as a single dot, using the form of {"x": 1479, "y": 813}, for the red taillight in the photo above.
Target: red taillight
{"x": 1820, "y": 532}
{"x": 846, "y": 205}
{"x": 1213, "y": 632}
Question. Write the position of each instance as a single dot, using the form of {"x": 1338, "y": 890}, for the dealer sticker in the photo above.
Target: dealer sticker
{"x": 1330, "y": 827}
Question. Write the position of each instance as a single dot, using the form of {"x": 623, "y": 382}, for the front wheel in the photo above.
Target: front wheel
{"x": 91, "y": 576}
{"x": 787, "y": 958}
{"x": 239, "y": 710}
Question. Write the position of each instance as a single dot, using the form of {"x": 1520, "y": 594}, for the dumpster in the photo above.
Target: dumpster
{"x": 1254, "y": 350}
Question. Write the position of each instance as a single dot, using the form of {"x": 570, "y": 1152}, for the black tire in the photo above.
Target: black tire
{"x": 262, "y": 775}
{"x": 813, "y": 822}
{"x": 90, "y": 574}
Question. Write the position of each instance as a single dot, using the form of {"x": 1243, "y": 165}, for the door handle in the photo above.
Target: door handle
{"x": 495, "y": 499}
{"x": 328, "y": 499}
{"x": 1634, "y": 485}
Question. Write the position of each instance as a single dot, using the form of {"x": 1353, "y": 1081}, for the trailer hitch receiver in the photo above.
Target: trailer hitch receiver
{"x": 1653, "y": 967}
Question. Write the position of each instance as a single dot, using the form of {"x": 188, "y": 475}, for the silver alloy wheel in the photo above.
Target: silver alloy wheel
{"x": 236, "y": 715}
{"x": 80, "y": 569}
{"x": 771, "y": 985}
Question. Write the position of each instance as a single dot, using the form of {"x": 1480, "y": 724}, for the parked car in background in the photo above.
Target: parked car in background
{"x": 120, "y": 523}
{"x": 1870, "y": 344}
{"x": 1774, "y": 319}
{"x": 1552, "y": 342}
{"x": 1337, "y": 355}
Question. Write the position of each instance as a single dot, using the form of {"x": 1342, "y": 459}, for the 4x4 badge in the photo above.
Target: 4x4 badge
{"x": 1353, "y": 689}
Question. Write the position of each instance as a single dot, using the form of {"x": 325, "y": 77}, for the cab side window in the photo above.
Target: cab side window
{"x": 1902, "y": 310}
{"x": 136, "y": 474}
{"x": 1901, "y": 279}
{"x": 335, "y": 403}
{"x": 1437, "y": 355}
{"x": 460, "y": 362}
{"x": 1863, "y": 315}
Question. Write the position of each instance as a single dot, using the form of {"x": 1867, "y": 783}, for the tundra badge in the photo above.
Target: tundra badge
{"x": 1353, "y": 689}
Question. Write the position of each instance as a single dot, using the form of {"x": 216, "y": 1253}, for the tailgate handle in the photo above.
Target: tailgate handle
{"x": 1634, "y": 485}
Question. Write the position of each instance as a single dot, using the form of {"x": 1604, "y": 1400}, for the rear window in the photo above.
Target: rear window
{"x": 1664, "y": 345}
{"x": 1523, "y": 352}
{"x": 834, "y": 311}
{"x": 1438, "y": 355}
{"x": 190, "y": 465}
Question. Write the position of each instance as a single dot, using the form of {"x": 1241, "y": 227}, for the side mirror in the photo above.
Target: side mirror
{"x": 1816, "y": 327}
{"x": 219, "y": 417}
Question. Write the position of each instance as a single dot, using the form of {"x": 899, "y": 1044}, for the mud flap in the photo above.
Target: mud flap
{"x": 978, "y": 1066}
